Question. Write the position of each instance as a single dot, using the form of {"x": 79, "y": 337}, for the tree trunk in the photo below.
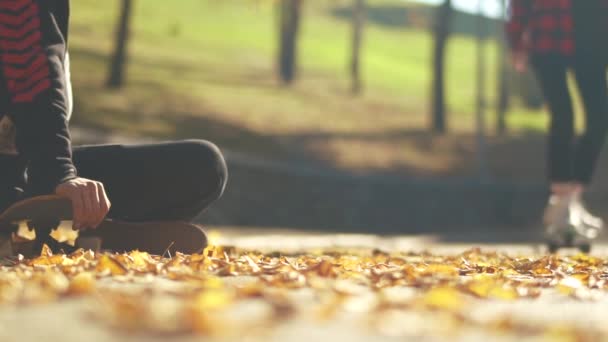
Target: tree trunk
{"x": 119, "y": 59}
{"x": 358, "y": 22}
{"x": 442, "y": 31}
{"x": 502, "y": 96}
{"x": 289, "y": 22}
{"x": 482, "y": 163}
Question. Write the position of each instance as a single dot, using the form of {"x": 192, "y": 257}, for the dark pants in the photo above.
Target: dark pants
{"x": 162, "y": 181}
{"x": 571, "y": 159}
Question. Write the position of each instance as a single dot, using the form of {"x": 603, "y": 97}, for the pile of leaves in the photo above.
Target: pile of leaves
{"x": 208, "y": 292}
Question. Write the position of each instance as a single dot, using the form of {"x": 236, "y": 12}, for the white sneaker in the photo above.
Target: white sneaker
{"x": 557, "y": 215}
{"x": 588, "y": 224}
{"x": 567, "y": 216}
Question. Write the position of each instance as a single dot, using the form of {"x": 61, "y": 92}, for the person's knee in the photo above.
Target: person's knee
{"x": 207, "y": 168}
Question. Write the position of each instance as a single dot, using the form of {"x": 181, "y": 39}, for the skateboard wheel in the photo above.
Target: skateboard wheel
{"x": 585, "y": 248}
{"x": 569, "y": 240}
{"x": 553, "y": 247}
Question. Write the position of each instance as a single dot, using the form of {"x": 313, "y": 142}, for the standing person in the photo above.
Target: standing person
{"x": 163, "y": 181}
{"x": 555, "y": 37}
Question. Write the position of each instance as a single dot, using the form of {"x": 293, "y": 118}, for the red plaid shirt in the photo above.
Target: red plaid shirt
{"x": 545, "y": 26}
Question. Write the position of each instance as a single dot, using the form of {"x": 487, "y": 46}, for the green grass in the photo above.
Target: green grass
{"x": 205, "y": 69}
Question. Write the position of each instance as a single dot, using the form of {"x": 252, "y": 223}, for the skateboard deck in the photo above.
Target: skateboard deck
{"x": 44, "y": 214}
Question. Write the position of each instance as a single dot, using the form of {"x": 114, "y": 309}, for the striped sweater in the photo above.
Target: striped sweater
{"x": 35, "y": 97}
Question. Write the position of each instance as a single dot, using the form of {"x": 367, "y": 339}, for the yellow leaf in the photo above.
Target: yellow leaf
{"x": 213, "y": 237}
{"x": 562, "y": 334}
{"x": 569, "y": 285}
{"x": 480, "y": 288}
{"x": 253, "y": 290}
{"x": 441, "y": 269}
{"x": 212, "y": 251}
{"x": 46, "y": 251}
{"x": 65, "y": 233}
{"x": 213, "y": 283}
{"x": 25, "y": 233}
{"x": 490, "y": 287}
{"x": 52, "y": 260}
{"x": 542, "y": 271}
{"x": 324, "y": 268}
{"x": 55, "y": 280}
{"x": 212, "y": 300}
{"x": 509, "y": 272}
{"x": 83, "y": 283}
{"x": 254, "y": 267}
{"x": 504, "y": 293}
{"x": 330, "y": 307}
{"x": 140, "y": 259}
{"x": 445, "y": 298}
{"x": 108, "y": 263}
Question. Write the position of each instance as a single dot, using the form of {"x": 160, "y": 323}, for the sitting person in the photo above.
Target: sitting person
{"x": 161, "y": 181}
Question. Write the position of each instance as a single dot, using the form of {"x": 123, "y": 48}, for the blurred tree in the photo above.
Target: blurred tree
{"x": 119, "y": 57}
{"x": 502, "y": 97}
{"x": 482, "y": 163}
{"x": 289, "y": 23}
{"x": 358, "y": 23}
{"x": 442, "y": 31}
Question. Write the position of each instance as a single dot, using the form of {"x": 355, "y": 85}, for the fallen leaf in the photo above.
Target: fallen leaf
{"x": 443, "y": 298}
{"x": 109, "y": 264}
{"x": 82, "y": 284}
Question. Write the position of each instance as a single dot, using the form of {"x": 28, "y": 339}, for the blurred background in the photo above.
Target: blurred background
{"x": 375, "y": 116}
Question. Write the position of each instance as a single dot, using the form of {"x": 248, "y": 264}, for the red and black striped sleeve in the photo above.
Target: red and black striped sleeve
{"x": 517, "y": 23}
{"x": 33, "y": 44}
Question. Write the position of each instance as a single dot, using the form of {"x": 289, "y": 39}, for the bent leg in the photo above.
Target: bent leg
{"x": 161, "y": 181}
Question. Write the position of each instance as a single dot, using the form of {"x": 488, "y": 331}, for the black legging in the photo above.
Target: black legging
{"x": 162, "y": 181}
{"x": 570, "y": 159}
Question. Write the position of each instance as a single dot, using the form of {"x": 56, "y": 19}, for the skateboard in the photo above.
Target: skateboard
{"x": 568, "y": 237}
{"x": 45, "y": 214}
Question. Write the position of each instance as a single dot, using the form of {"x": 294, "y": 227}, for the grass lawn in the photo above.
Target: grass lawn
{"x": 205, "y": 69}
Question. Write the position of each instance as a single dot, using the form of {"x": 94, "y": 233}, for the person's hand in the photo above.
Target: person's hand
{"x": 519, "y": 59}
{"x": 90, "y": 203}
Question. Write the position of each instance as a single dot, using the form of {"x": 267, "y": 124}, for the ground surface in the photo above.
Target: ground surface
{"x": 321, "y": 287}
